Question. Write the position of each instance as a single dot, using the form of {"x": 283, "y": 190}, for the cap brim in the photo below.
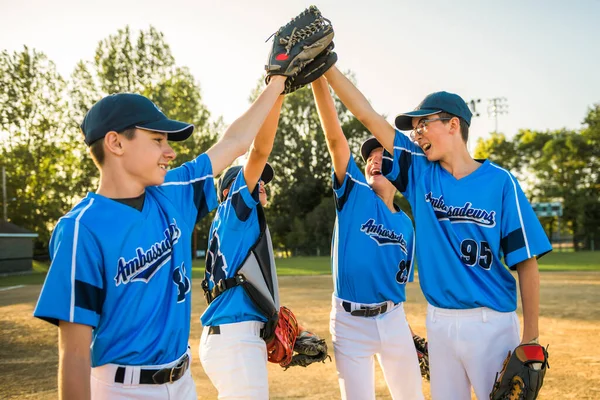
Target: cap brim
{"x": 267, "y": 174}
{"x": 176, "y": 130}
{"x": 368, "y": 146}
{"x": 404, "y": 121}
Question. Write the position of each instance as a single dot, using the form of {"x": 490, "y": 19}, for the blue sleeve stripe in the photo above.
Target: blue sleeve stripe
{"x": 180, "y": 183}
{"x": 341, "y": 200}
{"x": 242, "y": 211}
{"x": 513, "y": 241}
{"x": 74, "y": 260}
{"x": 200, "y": 199}
{"x": 404, "y": 163}
{"x": 518, "y": 208}
{"x": 89, "y": 297}
{"x": 357, "y": 181}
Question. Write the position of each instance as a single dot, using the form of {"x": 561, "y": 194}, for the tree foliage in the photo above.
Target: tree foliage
{"x": 41, "y": 112}
{"x": 302, "y": 212}
{"x": 559, "y": 165}
{"x": 37, "y": 149}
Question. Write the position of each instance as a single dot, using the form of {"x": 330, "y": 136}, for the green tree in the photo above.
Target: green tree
{"x": 301, "y": 213}
{"x": 39, "y": 152}
{"x": 559, "y": 165}
{"x": 144, "y": 65}
{"x": 590, "y": 219}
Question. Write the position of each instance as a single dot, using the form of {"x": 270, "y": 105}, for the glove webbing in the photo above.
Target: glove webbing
{"x": 301, "y": 34}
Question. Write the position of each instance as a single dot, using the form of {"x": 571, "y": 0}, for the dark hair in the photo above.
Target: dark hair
{"x": 97, "y": 148}
{"x": 464, "y": 127}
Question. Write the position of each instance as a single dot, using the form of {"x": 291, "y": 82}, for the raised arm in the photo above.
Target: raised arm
{"x": 358, "y": 105}
{"x": 240, "y": 134}
{"x": 336, "y": 141}
{"x": 262, "y": 146}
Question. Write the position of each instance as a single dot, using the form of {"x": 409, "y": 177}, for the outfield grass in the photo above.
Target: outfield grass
{"x": 285, "y": 266}
{"x": 555, "y": 261}
{"x": 570, "y": 261}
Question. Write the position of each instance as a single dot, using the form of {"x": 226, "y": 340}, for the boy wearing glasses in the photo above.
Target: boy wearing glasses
{"x": 469, "y": 214}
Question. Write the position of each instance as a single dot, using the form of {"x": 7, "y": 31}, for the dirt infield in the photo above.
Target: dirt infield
{"x": 569, "y": 321}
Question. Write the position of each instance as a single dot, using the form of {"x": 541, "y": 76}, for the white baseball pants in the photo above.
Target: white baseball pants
{"x": 235, "y": 360}
{"x": 356, "y": 342}
{"x": 467, "y": 348}
{"x": 104, "y": 387}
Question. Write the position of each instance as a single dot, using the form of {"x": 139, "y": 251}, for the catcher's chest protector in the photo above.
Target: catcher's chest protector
{"x": 256, "y": 274}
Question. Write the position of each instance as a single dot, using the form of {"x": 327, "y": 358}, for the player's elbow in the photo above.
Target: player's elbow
{"x": 261, "y": 150}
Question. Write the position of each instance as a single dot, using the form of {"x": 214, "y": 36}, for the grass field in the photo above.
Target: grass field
{"x": 302, "y": 266}
{"x": 569, "y": 321}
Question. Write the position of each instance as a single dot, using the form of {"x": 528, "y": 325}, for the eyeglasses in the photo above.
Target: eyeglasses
{"x": 422, "y": 126}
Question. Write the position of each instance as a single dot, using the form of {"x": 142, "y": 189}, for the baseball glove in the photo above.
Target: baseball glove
{"x": 297, "y": 43}
{"x": 522, "y": 373}
{"x": 281, "y": 347}
{"x": 313, "y": 70}
{"x": 309, "y": 348}
{"x": 423, "y": 354}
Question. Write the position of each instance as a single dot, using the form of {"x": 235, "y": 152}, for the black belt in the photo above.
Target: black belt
{"x": 158, "y": 376}
{"x": 365, "y": 311}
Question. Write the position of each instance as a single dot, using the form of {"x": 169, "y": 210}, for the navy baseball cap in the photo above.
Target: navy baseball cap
{"x": 122, "y": 111}
{"x": 435, "y": 103}
{"x": 229, "y": 176}
{"x": 368, "y": 146}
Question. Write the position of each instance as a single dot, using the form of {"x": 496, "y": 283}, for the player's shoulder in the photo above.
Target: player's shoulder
{"x": 74, "y": 216}
{"x": 79, "y": 209}
{"x": 498, "y": 171}
{"x": 355, "y": 174}
{"x": 199, "y": 168}
{"x": 93, "y": 209}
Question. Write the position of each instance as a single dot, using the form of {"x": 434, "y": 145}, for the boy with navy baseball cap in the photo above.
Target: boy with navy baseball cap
{"x": 234, "y": 321}
{"x": 472, "y": 221}
{"x": 372, "y": 258}
{"x": 119, "y": 283}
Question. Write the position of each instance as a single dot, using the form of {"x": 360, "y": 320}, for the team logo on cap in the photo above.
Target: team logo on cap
{"x": 383, "y": 236}
{"x": 461, "y": 214}
{"x": 146, "y": 263}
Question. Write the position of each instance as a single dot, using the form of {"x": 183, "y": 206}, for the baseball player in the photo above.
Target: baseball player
{"x": 469, "y": 214}
{"x": 119, "y": 282}
{"x": 232, "y": 349}
{"x": 372, "y": 260}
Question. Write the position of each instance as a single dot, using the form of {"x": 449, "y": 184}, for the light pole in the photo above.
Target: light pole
{"x": 497, "y": 106}
{"x": 473, "y": 106}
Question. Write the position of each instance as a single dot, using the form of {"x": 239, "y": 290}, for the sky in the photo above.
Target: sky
{"x": 541, "y": 57}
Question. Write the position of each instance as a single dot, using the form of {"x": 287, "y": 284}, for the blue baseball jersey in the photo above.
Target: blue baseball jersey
{"x": 466, "y": 228}
{"x": 372, "y": 248}
{"x": 126, "y": 272}
{"x": 233, "y": 232}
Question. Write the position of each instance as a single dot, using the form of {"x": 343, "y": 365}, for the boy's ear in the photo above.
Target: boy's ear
{"x": 455, "y": 125}
{"x": 112, "y": 141}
